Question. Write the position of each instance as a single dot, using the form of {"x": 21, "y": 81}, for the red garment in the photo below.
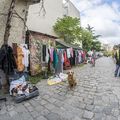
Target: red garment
{"x": 84, "y": 55}
{"x": 66, "y": 61}
{"x": 65, "y": 56}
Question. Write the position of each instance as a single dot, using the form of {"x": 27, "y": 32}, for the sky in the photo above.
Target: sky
{"x": 103, "y": 15}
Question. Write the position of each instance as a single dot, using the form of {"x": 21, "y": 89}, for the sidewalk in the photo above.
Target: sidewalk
{"x": 96, "y": 97}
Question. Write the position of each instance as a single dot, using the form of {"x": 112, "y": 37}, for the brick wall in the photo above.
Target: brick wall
{"x": 37, "y": 40}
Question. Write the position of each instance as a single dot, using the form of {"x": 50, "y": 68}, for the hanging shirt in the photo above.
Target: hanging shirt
{"x": 7, "y": 59}
{"x": 68, "y": 53}
{"x": 71, "y": 51}
{"x": 51, "y": 54}
{"x": 26, "y": 53}
{"x": 62, "y": 58}
{"x": 47, "y": 56}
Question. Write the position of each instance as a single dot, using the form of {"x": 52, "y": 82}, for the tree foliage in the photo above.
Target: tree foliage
{"x": 87, "y": 39}
{"x": 96, "y": 45}
{"x": 91, "y": 29}
{"x": 68, "y": 28}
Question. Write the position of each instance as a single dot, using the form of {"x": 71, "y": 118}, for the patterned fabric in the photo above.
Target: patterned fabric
{"x": 20, "y": 56}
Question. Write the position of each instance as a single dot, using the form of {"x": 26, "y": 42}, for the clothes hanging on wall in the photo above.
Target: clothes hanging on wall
{"x": 26, "y": 54}
{"x": 68, "y": 53}
{"x": 51, "y": 54}
{"x": 71, "y": 52}
{"x": 44, "y": 52}
{"x": 60, "y": 62}
{"x": 7, "y": 60}
{"x": 49, "y": 61}
{"x": 55, "y": 60}
{"x": 66, "y": 64}
{"x": 22, "y": 57}
{"x": 47, "y": 56}
{"x": 65, "y": 56}
{"x": 80, "y": 57}
{"x": 20, "y": 61}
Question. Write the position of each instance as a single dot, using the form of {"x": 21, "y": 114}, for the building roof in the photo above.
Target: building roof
{"x": 38, "y": 33}
{"x": 62, "y": 44}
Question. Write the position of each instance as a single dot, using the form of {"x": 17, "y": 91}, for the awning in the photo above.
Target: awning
{"x": 61, "y": 44}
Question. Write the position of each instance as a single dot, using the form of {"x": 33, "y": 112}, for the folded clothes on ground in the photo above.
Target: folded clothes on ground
{"x": 21, "y": 87}
{"x": 57, "y": 79}
{"x": 63, "y": 76}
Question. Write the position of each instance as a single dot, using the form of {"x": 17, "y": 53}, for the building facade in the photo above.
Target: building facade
{"x": 54, "y": 9}
{"x": 42, "y": 25}
{"x": 17, "y": 31}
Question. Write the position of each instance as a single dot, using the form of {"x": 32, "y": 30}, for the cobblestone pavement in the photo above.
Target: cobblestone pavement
{"x": 96, "y": 97}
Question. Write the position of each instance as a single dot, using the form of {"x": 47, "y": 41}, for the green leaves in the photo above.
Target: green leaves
{"x": 67, "y": 28}
{"x": 87, "y": 39}
{"x": 96, "y": 45}
{"x": 90, "y": 41}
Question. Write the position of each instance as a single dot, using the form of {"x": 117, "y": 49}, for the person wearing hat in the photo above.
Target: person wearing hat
{"x": 117, "y": 58}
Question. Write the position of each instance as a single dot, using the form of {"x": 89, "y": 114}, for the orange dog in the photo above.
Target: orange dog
{"x": 71, "y": 80}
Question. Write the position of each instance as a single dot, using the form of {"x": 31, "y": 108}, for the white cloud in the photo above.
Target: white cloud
{"x": 104, "y": 17}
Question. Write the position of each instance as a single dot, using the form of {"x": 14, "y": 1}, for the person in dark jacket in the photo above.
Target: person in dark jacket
{"x": 117, "y": 58}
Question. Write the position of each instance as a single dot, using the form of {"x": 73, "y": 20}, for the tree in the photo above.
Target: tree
{"x": 96, "y": 45}
{"x": 91, "y": 29}
{"x": 87, "y": 39}
{"x": 68, "y": 28}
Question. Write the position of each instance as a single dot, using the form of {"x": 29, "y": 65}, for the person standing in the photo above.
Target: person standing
{"x": 117, "y": 59}
{"x": 93, "y": 57}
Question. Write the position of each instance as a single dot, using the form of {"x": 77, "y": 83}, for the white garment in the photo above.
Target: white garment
{"x": 80, "y": 59}
{"x": 62, "y": 58}
{"x": 26, "y": 53}
{"x": 63, "y": 76}
{"x": 47, "y": 56}
{"x": 68, "y": 53}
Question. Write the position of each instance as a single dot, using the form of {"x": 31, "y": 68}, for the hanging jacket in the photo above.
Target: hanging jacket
{"x": 7, "y": 60}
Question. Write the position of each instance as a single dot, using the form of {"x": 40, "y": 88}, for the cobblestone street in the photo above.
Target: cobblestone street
{"x": 96, "y": 97}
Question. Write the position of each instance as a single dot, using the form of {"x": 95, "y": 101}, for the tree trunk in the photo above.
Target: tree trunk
{"x": 8, "y": 24}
